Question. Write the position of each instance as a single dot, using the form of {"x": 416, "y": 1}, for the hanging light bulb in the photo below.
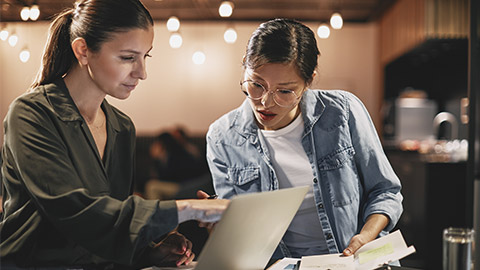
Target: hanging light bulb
{"x": 24, "y": 55}
{"x": 198, "y": 58}
{"x": 34, "y": 12}
{"x": 4, "y": 34}
{"x": 230, "y": 36}
{"x": 25, "y": 13}
{"x": 13, "y": 39}
{"x": 225, "y": 9}
{"x": 173, "y": 24}
{"x": 336, "y": 21}
{"x": 175, "y": 40}
{"x": 323, "y": 31}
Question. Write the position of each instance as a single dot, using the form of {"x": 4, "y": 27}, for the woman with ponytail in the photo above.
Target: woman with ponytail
{"x": 67, "y": 172}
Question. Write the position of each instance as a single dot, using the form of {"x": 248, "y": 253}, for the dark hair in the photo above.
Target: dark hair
{"x": 283, "y": 41}
{"x": 93, "y": 20}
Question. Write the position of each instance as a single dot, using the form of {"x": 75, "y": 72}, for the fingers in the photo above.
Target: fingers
{"x": 188, "y": 256}
{"x": 202, "y": 194}
{"x": 178, "y": 243}
{"x": 356, "y": 243}
{"x": 175, "y": 249}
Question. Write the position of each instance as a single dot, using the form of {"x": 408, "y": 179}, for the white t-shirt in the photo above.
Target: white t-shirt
{"x": 293, "y": 169}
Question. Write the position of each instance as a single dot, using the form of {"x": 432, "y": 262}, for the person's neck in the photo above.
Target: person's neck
{"x": 85, "y": 94}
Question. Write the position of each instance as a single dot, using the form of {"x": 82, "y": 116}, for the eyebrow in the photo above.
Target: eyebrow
{"x": 255, "y": 77}
{"x": 134, "y": 51}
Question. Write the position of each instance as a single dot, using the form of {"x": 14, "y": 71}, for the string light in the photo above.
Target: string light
{"x": 198, "y": 58}
{"x": 24, "y": 55}
{"x": 25, "y": 13}
{"x": 225, "y": 9}
{"x": 323, "y": 31}
{"x": 13, "y": 39}
{"x": 34, "y": 12}
{"x": 4, "y": 34}
{"x": 175, "y": 40}
{"x": 173, "y": 24}
{"x": 336, "y": 21}
{"x": 230, "y": 36}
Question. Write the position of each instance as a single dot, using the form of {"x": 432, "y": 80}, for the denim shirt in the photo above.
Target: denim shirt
{"x": 352, "y": 176}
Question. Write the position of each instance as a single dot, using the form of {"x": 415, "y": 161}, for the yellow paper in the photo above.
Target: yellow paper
{"x": 373, "y": 254}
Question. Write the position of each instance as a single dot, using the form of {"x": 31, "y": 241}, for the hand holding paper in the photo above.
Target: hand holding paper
{"x": 372, "y": 255}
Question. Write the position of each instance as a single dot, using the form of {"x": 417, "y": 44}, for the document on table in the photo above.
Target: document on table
{"x": 383, "y": 250}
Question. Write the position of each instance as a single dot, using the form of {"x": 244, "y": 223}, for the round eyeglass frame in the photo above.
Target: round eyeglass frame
{"x": 265, "y": 91}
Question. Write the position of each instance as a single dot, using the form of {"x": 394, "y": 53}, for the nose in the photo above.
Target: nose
{"x": 140, "y": 71}
{"x": 267, "y": 100}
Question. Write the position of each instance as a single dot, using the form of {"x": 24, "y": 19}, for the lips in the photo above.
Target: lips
{"x": 130, "y": 86}
{"x": 266, "y": 115}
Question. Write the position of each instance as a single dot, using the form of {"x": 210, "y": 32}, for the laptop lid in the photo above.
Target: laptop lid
{"x": 250, "y": 230}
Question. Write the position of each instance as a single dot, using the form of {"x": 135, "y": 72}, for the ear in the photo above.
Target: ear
{"x": 80, "y": 49}
{"x": 313, "y": 78}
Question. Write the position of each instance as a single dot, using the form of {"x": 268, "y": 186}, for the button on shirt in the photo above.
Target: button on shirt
{"x": 352, "y": 178}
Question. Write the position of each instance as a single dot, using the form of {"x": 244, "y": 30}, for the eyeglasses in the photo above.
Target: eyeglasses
{"x": 256, "y": 91}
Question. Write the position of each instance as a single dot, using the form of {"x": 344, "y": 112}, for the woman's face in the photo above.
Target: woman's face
{"x": 273, "y": 76}
{"x": 120, "y": 63}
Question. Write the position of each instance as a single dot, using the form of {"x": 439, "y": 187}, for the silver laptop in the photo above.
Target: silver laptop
{"x": 249, "y": 231}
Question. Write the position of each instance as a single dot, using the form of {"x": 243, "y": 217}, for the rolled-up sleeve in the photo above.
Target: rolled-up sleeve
{"x": 381, "y": 185}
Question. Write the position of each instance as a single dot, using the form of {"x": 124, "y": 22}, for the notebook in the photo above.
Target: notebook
{"x": 249, "y": 231}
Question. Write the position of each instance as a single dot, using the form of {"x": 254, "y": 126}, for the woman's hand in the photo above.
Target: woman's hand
{"x": 374, "y": 225}
{"x": 174, "y": 250}
{"x": 203, "y": 210}
{"x": 209, "y": 226}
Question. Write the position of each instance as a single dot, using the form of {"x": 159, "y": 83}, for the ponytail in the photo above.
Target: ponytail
{"x": 57, "y": 56}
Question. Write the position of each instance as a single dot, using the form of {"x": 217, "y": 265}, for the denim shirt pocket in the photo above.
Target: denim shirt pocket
{"x": 245, "y": 180}
{"x": 339, "y": 173}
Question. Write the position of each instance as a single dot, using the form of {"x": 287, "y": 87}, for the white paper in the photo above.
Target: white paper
{"x": 374, "y": 254}
{"x": 327, "y": 262}
{"x": 383, "y": 250}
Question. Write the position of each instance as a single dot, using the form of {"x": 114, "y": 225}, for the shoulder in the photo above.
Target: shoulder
{"x": 223, "y": 127}
{"x": 338, "y": 98}
{"x": 341, "y": 100}
{"x": 28, "y": 103}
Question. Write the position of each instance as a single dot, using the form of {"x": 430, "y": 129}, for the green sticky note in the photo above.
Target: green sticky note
{"x": 375, "y": 253}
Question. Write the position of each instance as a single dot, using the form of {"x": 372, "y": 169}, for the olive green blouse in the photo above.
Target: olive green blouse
{"x": 63, "y": 204}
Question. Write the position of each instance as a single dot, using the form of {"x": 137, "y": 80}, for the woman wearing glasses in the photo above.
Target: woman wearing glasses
{"x": 286, "y": 135}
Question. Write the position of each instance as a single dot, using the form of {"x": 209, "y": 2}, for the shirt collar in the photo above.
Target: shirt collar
{"x": 64, "y": 107}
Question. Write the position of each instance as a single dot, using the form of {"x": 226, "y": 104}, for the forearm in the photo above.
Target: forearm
{"x": 374, "y": 225}
{"x": 372, "y": 228}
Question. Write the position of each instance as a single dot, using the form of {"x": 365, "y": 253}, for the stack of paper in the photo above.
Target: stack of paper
{"x": 375, "y": 254}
